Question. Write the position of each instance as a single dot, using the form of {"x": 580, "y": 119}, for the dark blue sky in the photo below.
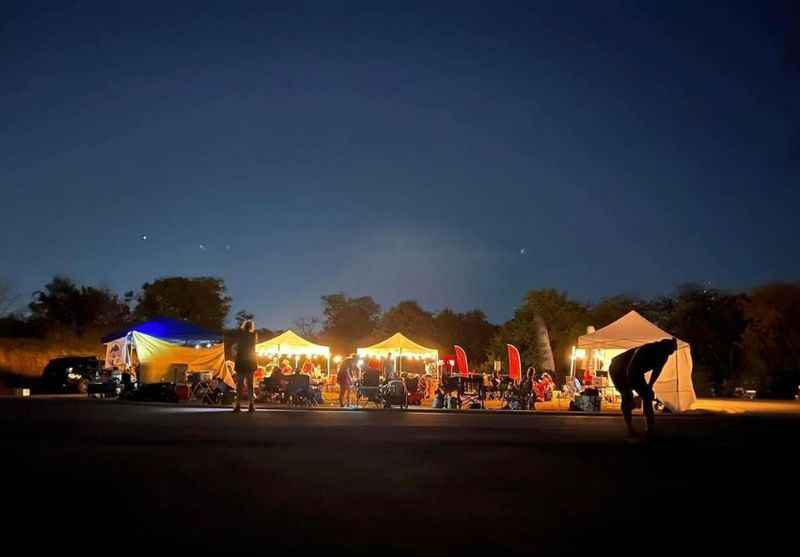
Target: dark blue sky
{"x": 408, "y": 151}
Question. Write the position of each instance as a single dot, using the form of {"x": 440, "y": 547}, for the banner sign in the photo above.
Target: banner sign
{"x": 514, "y": 363}
{"x": 461, "y": 360}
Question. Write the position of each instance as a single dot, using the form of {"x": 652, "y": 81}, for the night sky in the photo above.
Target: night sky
{"x": 454, "y": 153}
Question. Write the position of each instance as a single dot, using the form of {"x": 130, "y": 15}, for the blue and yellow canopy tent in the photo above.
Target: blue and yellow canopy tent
{"x": 163, "y": 348}
{"x": 175, "y": 331}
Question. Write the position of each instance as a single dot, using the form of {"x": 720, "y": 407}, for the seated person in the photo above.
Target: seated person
{"x": 308, "y": 367}
{"x": 439, "y": 398}
{"x": 371, "y": 378}
{"x": 412, "y": 384}
{"x": 424, "y": 381}
{"x": 259, "y": 374}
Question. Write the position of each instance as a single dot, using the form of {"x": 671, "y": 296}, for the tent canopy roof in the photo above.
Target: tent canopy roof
{"x": 291, "y": 343}
{"x": 172, "y": 330}
{"x": 629, "y": 331}
{"x": 398, "y": 344}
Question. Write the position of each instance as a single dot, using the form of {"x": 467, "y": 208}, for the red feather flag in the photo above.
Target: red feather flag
{"x": 461, "y": 361}
{"x": 514, "y": 363}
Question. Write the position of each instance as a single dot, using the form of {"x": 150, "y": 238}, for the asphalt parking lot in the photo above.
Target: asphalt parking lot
{"x": 91, "y": 472}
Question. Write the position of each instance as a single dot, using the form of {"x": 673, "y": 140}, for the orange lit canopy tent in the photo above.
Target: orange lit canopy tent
{"x": 674, "y": 386}
{"x": 290, "y": 343}
{"x": 399, "y": 346}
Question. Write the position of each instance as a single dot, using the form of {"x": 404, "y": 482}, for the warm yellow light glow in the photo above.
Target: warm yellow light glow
{"x": 399, "y": 347}
{"x": 337, "y": 359}
{"x": 290, "y": 344}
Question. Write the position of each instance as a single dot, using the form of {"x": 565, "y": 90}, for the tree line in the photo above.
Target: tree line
{"x": 749, "y": 339}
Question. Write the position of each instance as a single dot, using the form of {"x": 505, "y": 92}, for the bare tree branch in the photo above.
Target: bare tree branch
{"x": 7, "y": 297}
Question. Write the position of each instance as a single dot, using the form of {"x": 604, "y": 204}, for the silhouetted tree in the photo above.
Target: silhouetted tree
{"x": 410, "y": 319}
{"x": 713, "y": 322}
{"x": 307, "y": 327}
{"x": 471, "y": 330}
{"x": 242, "y": 316}
{"x": 564, "y": 319}
{"x": 610, "y": 309}
{"x": 348, "y": 321}
{"x": 772, "y": 338}
{"x": 201, "y": 300}
{"x": 62, "y": 304}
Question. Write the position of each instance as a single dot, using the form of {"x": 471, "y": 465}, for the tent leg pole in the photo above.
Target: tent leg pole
{"x": 677, "y": 379}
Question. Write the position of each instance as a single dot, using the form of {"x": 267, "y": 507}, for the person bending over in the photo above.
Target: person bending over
{"x": 628, "y": 373}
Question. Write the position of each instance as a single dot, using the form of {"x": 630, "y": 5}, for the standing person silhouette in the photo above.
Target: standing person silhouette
{"x": 246, "y": 364}
{"x": 388, "y": 368}
{"x": 344, "y": 377}
{"x": 628, "y": 370}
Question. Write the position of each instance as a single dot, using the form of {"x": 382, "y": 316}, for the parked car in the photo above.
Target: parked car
{"x": 107, "y": 385}
{"x": 741, "y": 392}
{"x": 71, "y": 374}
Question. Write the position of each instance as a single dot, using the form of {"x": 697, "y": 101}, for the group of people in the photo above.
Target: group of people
{"x": 246, "y": 365}
{"x": 350, "y": 372}
{"x": 515, "y": 395}
{"x": 627, "y": 371}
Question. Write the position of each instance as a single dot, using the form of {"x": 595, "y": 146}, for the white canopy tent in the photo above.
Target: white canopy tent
{"x": 674, "y": 386}
{"x": 399, "y": 346}
{"x": 290, "y": 343}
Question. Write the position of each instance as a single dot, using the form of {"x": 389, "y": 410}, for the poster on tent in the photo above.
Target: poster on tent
{"x": 115, "y": 354}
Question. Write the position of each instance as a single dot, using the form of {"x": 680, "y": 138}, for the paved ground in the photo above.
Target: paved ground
{"x": 81, "y": 473}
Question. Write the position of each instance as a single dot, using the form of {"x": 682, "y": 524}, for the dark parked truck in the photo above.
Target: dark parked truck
{"x": 71, "y": 374}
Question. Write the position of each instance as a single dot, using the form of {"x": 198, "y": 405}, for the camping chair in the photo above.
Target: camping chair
{"x": 472, "y": 392}
{"x": 369, "y": 386}
{"x": 201, "y": 389}
{"x": 470, "y": 388}
{"x": 299, "y": 390}
{"x": 272, "y": 389}
{"x": 415, "y": 396}
{"x": 215, "y": 392}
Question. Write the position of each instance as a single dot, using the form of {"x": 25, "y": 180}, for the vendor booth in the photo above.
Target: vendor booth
{"x": 291, "y": 344}
{"x": 596, "y": 349}
{"x": 165, "y": 351}
{"x": 400, "y": 347}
